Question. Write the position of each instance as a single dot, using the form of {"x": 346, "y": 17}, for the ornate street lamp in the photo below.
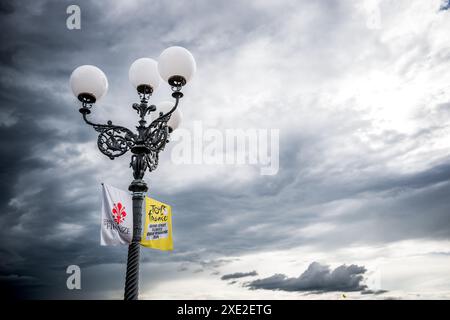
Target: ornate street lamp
{"x": 176, "y": 66}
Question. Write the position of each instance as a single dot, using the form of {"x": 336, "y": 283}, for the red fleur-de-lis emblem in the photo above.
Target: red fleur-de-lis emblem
{"x": 119, "y": 213}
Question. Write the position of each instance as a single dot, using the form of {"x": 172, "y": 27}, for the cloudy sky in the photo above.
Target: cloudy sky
{"x": 360, "y": 94}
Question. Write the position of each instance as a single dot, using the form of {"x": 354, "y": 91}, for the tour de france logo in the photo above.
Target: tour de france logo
{"x": 119, "y": 213}
{"x": 158, "y": 213}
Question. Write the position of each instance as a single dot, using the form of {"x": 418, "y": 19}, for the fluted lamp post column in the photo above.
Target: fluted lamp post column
{"x": 176, "y": 66}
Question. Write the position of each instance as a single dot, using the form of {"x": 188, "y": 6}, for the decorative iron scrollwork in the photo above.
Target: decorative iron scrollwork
{"x": 157, "y": 134}
{"x": 152, "y": 160}
{"x": 114, "y": 141}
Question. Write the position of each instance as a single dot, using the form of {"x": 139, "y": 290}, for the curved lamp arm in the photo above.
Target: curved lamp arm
{"x": 177, "y": 95}
{"x": 157, "y": 133}
{"x": 113, "y": 141}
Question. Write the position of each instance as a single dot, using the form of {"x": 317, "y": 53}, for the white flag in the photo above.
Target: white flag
{"x": 117, "y": 216}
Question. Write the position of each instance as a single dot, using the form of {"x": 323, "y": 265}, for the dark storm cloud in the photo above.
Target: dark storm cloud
{"x": 6, "y": 7}
{"x": 14, "y": 286}
{"x": 44, "y": 199}
{"x": 445, "y": 5}
{"x": 383, "y": 202}
{"x": 49, "y": 202}
{"x": 317, "y": 278}
{"x": 238, "y": 275}
{"x": 375, "y": 292}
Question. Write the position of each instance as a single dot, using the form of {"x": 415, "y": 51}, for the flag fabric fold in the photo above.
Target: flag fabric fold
{"x": 157, "y": 232}
{"x": 117, "y": 216}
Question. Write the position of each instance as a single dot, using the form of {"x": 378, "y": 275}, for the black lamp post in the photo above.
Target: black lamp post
{"x": 175, "y": 65}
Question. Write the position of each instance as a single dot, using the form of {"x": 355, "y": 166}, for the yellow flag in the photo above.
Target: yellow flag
{"x": 158, "y": 225}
